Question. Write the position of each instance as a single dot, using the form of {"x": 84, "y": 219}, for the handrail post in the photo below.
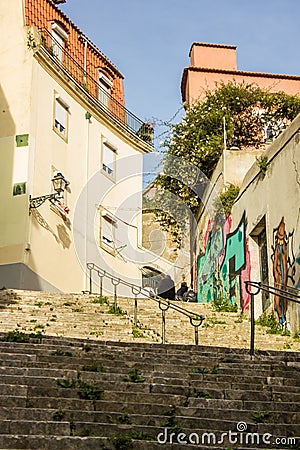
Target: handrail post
{"x": 197, "y": 335}
{"x": 100, "y": 286}
{"x": 115, "y": 282}
{"x": 115, "y": 297}
{"x": 135, "y": 291}
{"x": 196, "y": 322}
{"x": 135, "y": 310}
{"x": 163, "y": 320}
{"x": 163, "y": 329}
{"x": 90, "y": 280}
{"x": 252, "y": 336}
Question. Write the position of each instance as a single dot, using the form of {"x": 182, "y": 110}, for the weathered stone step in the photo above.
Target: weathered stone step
{"x": 113, "y": 412}
{"x": 34, "y": 427}
{"x": 32, "y": 442}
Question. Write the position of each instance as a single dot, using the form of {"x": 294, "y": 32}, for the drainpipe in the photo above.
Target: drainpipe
{"x": 84, "y": 61}
{"x": 225, "y": 148}
{"x": 88, "y": 121}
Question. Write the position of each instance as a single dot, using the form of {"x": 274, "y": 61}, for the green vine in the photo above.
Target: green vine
{"x": 262, "y": 163}
{"x": 226, "y": 200}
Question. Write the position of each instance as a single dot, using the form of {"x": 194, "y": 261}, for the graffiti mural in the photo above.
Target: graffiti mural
{"x": 284, "y": 269}
{"x": 298, "y": 264}
{"x": 225, "y": 264}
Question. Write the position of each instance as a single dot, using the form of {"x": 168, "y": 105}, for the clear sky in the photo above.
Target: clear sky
{"x": 149, "y": 41}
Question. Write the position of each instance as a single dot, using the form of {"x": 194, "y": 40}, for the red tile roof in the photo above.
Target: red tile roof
{"x": 42, "y": 13}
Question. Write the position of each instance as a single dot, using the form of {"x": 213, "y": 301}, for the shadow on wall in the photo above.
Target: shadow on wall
{"x": 19, "y": 276}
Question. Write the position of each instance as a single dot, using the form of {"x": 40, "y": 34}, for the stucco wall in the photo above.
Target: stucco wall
{"x": 275, "y": 196}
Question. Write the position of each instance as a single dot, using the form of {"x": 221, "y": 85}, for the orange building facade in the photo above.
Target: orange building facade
{"x": 213, "y": 63}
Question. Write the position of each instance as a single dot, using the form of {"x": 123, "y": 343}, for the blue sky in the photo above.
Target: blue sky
{"x": 149, "y": 41}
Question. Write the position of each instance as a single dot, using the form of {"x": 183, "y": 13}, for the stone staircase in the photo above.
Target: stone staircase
{"x": 87, "y": 316}
{"x": 59, "y": 393}
{"x": 75, "y": 376}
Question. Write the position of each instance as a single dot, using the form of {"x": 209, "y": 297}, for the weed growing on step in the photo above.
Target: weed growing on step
{"x": 223, "y": 305}
{"x": 86, "y": 391}
{"x": 241, "y": 319}
{"x": 16, "y": 336}
{"x": 68, "y": 384}
{"x": 61, "y": 353}
{"x": 215, "y": 370}
{"x": 218, "y": 322}
{"x": 96, "y": 333}
{"x": 122, "y": 442}
{"x": 39, "y": 304}
{"x": 202, "y": 394}
{"x": 117, "y": 311}
{"x": 287, "y": 346}
{"x": 296, "y": 336}
{"x": 270, "y": 321}
{"x": 134, "y": 376}
{"x": 68, "y": 304}
{"x": 20, "y": 337}
{"x": 93, "y": 367}
{"x": 86, "y": 348}
{"x": 87, "y": 431}
{"x": 78, "y": 310}
{"x": 171, "y": 423}
{"x": 58, "y": 415}
{"x": 100, "y": 300}
{"x": 124, "y": 418}
{"x": 89, "y": 392}
{"x": 137, "y": 333}
{"x": 260, "y": 417}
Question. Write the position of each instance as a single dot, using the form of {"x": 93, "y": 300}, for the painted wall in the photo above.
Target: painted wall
{"x": 275, "y": 198}
{"x": 225, "y": 264}
{"x": 268, "y": 205}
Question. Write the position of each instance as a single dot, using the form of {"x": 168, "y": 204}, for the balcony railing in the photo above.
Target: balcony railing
{"x": 106, "y": 102}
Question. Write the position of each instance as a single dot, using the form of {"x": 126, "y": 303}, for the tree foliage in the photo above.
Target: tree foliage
{"x": 247, "y": 110}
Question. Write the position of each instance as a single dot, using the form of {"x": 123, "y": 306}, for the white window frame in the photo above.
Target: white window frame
{"x": 61, "y": 117}
{"x": 108, "y": 163}
{"x": 105, "y": 85}
{"x": 108, "y": 238}
{"x": 59, "y": 38}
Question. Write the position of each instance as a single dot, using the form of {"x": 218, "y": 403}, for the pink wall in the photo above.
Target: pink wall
{"x": 212, "y": 63}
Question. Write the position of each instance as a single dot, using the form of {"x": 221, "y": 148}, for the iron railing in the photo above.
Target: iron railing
{"x": 106, "y": 102}
{"x": 195, "y": 319}
{"x": 288, "y": 294}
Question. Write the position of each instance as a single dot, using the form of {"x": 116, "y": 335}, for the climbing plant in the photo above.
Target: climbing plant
{"x": 246, "y": 110}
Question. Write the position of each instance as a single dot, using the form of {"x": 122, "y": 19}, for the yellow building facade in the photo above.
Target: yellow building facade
{"x": 64, "y": 118}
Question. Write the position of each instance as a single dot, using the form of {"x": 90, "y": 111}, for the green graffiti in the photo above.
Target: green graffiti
{"x": 220, "y": 267}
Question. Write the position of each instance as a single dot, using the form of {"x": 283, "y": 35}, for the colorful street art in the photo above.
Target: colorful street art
{"x": 283, "y": 266}
{"x": 297, "y": 286}
{"x": 225, "y": 264}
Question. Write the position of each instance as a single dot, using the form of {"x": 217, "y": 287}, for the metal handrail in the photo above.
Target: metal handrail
{"x": 163, "y": 304}
{"x": 286, "y": 294}
{"x": 106, "y": 101}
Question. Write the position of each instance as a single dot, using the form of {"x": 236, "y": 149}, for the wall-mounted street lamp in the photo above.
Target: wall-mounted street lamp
{"x": 59, "y": 184}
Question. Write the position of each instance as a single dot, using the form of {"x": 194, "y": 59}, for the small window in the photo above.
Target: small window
{"x": 59, "y": 37}
{"x": 107, "y": 232}
{"x": 105, "y": 85}
{"x": 61, "y": 117}
{"x": 108, "y": 159}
